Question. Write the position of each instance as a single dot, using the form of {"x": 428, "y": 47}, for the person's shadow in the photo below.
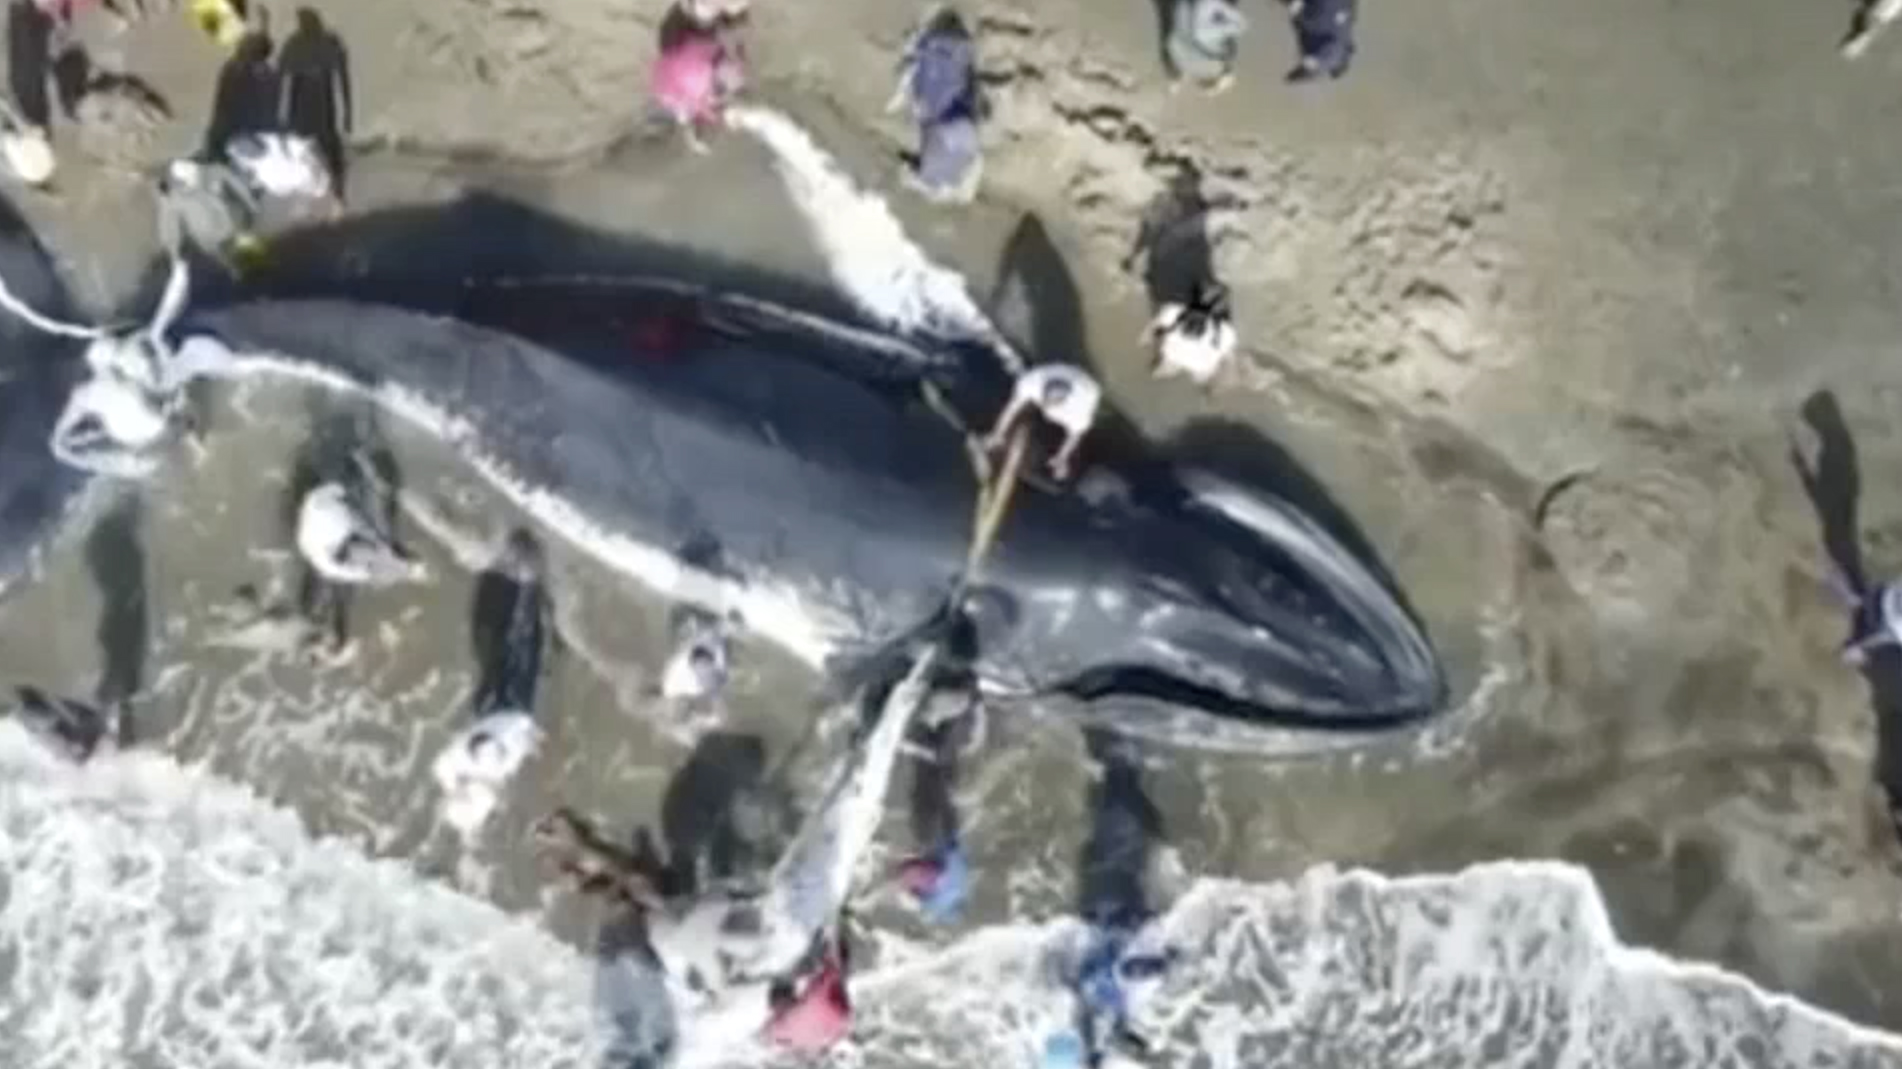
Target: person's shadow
{"x": 246, "y": 98}
{"x": 1165, "y": 24}
{"x": 318, "y": 100}
{"x": 699, "y": 818}
{"x": 115, "y": 558}
{"x": 508, "y": 632}
{"x": 30, "y": 61}
{"x": 76, "y": 77}
{"x": 1032, "y": 273}
{"x": 1833, "y": 484}
{"x": 1125, "y": 829}
{"x": 1172, "y": 241}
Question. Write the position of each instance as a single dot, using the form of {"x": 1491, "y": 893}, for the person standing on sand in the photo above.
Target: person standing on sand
{"x": 700, "y": 70}
{"x": 1204, "y": 40}
{"x": 1324, "y": 32}
{"x": 317, "y": 101}
{"x": 245, "y": 100}
{"x": 938, "y": 78}
{"x": 1194, "y": 338}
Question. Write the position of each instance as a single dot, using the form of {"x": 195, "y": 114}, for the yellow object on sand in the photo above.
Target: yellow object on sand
{"x": 220, "y": 20}
{"x": 248, "y": 252}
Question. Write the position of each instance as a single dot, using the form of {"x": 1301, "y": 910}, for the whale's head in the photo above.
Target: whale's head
{"x": 1222, "y": 616}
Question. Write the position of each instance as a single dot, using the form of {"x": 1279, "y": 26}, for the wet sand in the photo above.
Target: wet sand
{"x": 1536, "y": 293}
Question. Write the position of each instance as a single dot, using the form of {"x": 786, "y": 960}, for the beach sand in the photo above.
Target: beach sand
{"x": 1538, "y": 293}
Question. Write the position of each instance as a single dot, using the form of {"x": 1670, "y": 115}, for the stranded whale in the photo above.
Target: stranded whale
{"x": 782, "y": 468}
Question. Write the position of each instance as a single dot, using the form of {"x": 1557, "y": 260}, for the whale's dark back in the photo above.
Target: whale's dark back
{"x": 803, "y": 455}
{"x": 37, "y": 372}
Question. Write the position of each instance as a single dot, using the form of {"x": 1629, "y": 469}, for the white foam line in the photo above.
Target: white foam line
{"x": 1593, "y": 915}
{"x": 1357, "y": 967}
{"x": 866, "y": 248}
{"x": 774, "y": 612}
{"x": 49, "y": 325}
{"x": 155, "y": 916}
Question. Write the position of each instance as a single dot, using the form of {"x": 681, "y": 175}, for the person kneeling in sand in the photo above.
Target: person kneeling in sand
{"x": 1067, "y": 397}
{"x": 938, "y": 79}
{"x": 1194, "y": 338}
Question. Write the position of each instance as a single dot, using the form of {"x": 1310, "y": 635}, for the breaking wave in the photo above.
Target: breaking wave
{"x": 156, "y": 916}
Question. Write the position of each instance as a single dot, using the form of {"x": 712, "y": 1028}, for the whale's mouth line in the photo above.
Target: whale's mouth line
{"x": 1137, "y": 683}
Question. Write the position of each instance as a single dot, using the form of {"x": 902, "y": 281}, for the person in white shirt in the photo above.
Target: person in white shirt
{"x": 697, "y": 671}
{"x": 1194, "y": 338}
{"x": 478, "y": 764}
{"x": 1067, "y": 397}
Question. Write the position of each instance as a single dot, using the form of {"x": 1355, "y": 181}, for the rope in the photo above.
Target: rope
{"x": 50, "y": 326}
{"x": 997, "y": 488}
{"x": 993, "y": 502}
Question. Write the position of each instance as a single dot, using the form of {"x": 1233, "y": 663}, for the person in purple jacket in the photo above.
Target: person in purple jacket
{"x": 1324, "y": 32}
{"x": 938, "y": 80}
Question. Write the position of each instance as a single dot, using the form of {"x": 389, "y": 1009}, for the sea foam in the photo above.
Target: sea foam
{"x": 157, "y": 916}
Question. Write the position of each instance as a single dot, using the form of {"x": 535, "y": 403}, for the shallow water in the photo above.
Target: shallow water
{"x": 1325, "y": 970}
